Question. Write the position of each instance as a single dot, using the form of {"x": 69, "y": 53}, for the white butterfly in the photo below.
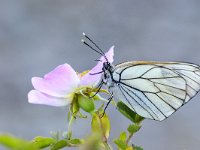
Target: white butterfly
{"x": 154, "y": 90}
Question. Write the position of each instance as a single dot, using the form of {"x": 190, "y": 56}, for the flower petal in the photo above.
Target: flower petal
{"x": 59, "y": 82}
{"x": 89, "y": 79}
{"x": 37, "y": 97}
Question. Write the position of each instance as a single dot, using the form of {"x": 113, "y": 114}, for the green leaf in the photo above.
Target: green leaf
{"x": 122, "y": 136}
{"x": 15, "y": 143}
{"x": 100, "y": 124}
{"x": 133, "y": 128}
{"x": 43, "y": 142}
{"x": 86, "y": 103}
{"x": 75, "y": 141}
{"x": 120, "y": 143}
{"x": 138, "y": 148}
{"x": 60, "y": 144}
{"x": 138, "y": 119}
{"x": 127, "y": 112}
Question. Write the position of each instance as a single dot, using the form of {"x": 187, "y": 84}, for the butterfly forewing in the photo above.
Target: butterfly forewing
{"x": 155, "y": 90}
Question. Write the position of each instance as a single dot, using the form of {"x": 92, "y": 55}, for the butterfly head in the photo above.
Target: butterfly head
{"x": 106, "y": 66}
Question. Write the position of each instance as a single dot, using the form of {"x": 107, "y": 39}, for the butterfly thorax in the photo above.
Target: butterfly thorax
{"x": 107, "y": 74}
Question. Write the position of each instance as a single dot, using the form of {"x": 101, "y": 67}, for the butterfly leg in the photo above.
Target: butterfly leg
{"x": 109, "y": 100}
{"x": 96, "y": 73}
{"x": 98, "y": 89}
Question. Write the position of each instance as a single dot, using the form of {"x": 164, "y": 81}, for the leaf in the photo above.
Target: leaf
{"x": 122, "y": 136}
{"x": 133, "y": 128}
{"x": 138, "y": 119}
{"x": 60, "y": 144}
{"x": 127, "y": 112}
{"x": 43, "y": 142}
{"x": 15, "y": 143}
{"x": 75, "y": 141}
{"x": 101, "y": 124}
{"x": 137, "y": 148}
{"x": 120, "y": 143}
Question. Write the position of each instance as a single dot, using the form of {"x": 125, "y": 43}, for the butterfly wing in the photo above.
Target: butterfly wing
{"x": 155, "y": 90}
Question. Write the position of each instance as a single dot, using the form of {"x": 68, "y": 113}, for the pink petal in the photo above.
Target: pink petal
{"x": 59, "y": 82}
{"x": 37, "y": 97}
{"x": 89, "y": 79}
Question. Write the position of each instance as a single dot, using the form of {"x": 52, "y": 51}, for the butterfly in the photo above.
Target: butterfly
{"x": 154, "y": 90}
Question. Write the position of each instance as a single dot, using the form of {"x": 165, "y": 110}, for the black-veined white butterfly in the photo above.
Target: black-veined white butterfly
{"x": 154, "y": 90}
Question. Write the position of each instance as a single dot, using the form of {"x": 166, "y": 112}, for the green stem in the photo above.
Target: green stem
{"x": 107, "y": 147}
{"x": 129, "y": 138}
{"x": 69, "y": 126}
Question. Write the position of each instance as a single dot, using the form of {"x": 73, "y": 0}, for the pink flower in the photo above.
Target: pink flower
{"x": 58, "y": 87}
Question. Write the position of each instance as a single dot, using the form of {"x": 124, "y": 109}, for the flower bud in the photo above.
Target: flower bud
{"x": 86, "y": 103}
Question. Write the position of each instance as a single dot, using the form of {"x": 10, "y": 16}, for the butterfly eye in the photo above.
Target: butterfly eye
{"x": 106, "y": 65}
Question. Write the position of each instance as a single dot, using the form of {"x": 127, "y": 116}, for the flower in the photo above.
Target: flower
{"x": 58, "y": 87}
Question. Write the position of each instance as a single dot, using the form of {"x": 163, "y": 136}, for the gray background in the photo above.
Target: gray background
{"x": 38, "y": 35}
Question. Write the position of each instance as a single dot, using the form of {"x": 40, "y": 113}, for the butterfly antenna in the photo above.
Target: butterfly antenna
{"x": 93, "y": 43}
{"x": 102, "y": 52}
{"x": 83, "y": 41}
{"x": 98, "y": 60}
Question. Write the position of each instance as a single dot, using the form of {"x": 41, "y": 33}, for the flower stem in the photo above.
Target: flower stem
{"x": 69, "y": 127}
{"x": 129, "y": 138}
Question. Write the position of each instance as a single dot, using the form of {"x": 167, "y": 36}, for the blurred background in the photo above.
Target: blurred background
{"x": 38, "y": 35}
